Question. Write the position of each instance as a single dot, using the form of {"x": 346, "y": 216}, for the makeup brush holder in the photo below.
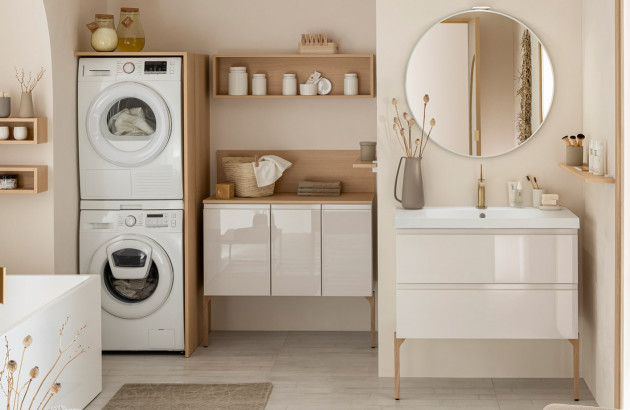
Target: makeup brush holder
{"x": 575, "y": 156}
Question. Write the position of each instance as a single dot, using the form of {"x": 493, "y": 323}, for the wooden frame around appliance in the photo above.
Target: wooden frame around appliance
{"x": 196, "y": 153}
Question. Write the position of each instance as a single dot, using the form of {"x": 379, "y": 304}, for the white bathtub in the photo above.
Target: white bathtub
{"x": 38, "y": 305}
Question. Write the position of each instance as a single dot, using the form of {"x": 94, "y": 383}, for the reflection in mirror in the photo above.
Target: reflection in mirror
{"x": 489, "y": 78}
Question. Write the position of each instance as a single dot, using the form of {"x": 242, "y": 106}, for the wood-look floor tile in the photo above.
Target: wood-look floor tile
{"x": 325, "y": 370}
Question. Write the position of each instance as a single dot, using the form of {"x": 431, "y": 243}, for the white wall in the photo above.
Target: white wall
{"x": 26, "y": 233}
{"x": 598, "y": 222}
{"x": 451, "y": 179}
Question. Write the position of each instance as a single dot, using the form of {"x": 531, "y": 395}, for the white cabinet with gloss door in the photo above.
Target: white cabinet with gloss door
{"x": 236, "y": 250}
{"x": 346, "y": 250}
{"x": 296, "y": 236}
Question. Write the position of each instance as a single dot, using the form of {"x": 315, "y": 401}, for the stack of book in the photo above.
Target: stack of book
{"x": 313, "y": 188}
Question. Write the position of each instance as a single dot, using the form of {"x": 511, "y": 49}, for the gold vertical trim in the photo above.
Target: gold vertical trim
{"x": 619, "y": 214}
{"x": 3, "y": 279}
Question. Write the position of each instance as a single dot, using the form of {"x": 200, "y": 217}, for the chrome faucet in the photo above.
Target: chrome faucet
{"x": 481, "y": 190}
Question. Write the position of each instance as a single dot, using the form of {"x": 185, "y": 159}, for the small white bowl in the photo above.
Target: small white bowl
{"x": 308, "y": 89}
{"x": 4, "y": 133}
{"x": 20, "y": 133}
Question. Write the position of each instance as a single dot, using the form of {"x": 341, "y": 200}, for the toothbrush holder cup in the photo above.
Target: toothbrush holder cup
{"x": 575, "y": 156}
{"x": 537, "y": 197}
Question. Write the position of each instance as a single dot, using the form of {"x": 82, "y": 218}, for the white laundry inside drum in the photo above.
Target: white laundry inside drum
{"x": 131, "y": 116}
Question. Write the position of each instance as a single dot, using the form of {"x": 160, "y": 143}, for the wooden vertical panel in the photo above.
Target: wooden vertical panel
{"x": 196, "y": 187}
{"x": 619, "y": 192}
{"x": 478, "y": 84}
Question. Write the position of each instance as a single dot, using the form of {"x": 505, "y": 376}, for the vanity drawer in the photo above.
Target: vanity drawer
{"x": 485, "y": 313}
{"x": 486, "y": 258}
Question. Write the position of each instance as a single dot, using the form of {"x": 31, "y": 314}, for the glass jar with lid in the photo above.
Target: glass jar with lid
{"x": 104, "y": 38}
{"x": 130, "y": 32}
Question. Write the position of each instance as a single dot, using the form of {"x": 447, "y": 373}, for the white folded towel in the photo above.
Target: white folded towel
{"x": 269, "y": 169}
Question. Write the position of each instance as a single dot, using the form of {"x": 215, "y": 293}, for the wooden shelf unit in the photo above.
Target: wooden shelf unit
{"x": 332, "y": 66}
{"x": 37, "y": 129}
{"x": 363, "y": 164}
{"x": 585, "y": 176}
{"x": 32, "y": 179}
{"x": 346, "y": 198}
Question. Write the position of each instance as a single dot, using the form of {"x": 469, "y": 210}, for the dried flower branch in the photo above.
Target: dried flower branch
{"x": 27, "y": 85}
{"x": 404, "y": 135}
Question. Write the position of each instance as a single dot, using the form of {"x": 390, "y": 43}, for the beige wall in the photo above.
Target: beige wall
{"x": 598, "y": 223}
{"x": 451, "y": 179}
{"x": 27, "y": 231}
{"x": 217, "y": 26}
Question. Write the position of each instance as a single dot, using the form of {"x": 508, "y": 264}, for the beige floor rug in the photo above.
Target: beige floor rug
{"x": 247, "y": 396}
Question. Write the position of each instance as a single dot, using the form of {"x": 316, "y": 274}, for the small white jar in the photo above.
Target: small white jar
{"x": 289, "y": 84}
{"x": 351, "y": 84}
{"x": 259, "y": 84}
{"x": 237, "y": 81}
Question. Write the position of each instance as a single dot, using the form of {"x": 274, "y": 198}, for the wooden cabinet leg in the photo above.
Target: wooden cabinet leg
{"x": 397, "y": 343}
{"x": 576, "y": 367}
{"x": 206, "y": 319}
{"x": 371, "y": 299}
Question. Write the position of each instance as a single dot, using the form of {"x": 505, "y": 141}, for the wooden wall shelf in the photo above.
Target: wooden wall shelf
{"x": 363, "y": 164}
{"x": 37, "y": 130}
{"x": 585, "y": 176}
{"x": 332, "y": 66}
{"x": 32, "y": 179}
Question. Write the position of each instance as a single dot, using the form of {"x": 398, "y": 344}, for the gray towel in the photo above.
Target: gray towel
{"x": 315, "y": 184}
{"x": 300, "y": 193}
{"x": 320, "y": 190}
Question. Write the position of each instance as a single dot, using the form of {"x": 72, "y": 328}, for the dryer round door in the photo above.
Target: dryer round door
{"x": 136, "y": 273}
{"x": 128, "y": 124}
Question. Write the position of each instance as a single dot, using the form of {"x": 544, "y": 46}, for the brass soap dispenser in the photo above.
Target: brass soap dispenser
{"x": 481, "y": 190}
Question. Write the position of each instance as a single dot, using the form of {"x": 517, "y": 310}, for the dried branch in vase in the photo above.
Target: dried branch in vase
{"x": 404, "y": 135}
{"x": 28, "y": 84}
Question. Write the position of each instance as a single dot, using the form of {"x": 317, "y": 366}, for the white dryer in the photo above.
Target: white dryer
{"x": 139, "y": 256}
{"x": 129, "y": 113}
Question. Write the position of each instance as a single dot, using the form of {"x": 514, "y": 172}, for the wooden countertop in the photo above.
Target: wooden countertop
{"x": 352, "y": 198}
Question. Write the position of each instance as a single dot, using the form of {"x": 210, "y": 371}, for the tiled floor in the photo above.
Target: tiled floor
{"x": 325, "y": 370}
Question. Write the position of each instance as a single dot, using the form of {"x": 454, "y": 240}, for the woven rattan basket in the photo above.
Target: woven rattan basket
{"x": 240, "y": 171}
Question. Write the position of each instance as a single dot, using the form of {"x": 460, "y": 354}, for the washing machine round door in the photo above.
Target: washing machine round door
{"x": 128, "y": 124}
{"x": 137, "y": 276}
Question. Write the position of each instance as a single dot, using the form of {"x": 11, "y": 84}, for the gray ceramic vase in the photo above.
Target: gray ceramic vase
{"x": 26, "y": 106}
{"x": 412, "y": 189}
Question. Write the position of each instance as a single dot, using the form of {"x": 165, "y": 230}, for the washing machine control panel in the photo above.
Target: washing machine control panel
{"x": 140, "y": 220}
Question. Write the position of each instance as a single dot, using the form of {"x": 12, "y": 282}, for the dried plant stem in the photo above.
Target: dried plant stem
{"x": 524, "y": 120}
{"x": 402, "y": 133}
{"x": 61, "y": 352}
{"x": 49, "y": 397}
{"x": 17, "y": 385}
{"x": 6, "y": 363}
{"x": 424, "y": 116}
{"x": 28, "y": 386}
{"x": 425, "y": 142}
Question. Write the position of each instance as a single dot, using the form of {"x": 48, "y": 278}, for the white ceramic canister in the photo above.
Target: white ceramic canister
{"x": 237, "y": 81}
{"x": 289, "y": 84}
{"x": 259, "y": 84}
{"x": 599, "y": 158}
{"x": 590, "y": 156}
{"x": 351, "y": 84}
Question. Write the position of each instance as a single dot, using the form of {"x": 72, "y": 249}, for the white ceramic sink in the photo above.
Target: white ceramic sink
{"x": 490, "y": 218}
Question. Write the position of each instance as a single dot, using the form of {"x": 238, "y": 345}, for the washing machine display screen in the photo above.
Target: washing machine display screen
{"x": 155, "y": 67}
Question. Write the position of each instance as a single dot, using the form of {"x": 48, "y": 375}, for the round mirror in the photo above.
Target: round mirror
{"x": 489, "y": 79}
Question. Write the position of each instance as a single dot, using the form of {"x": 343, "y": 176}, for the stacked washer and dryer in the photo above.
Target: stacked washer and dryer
{"x": 131, "y": 223}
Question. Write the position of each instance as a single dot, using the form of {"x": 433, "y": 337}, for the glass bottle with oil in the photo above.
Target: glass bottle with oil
{"x": 130, "y": 32}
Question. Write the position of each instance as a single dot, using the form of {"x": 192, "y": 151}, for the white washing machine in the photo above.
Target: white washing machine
{"x": 139, "y": 256}
{"x": 129, "y": 113}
